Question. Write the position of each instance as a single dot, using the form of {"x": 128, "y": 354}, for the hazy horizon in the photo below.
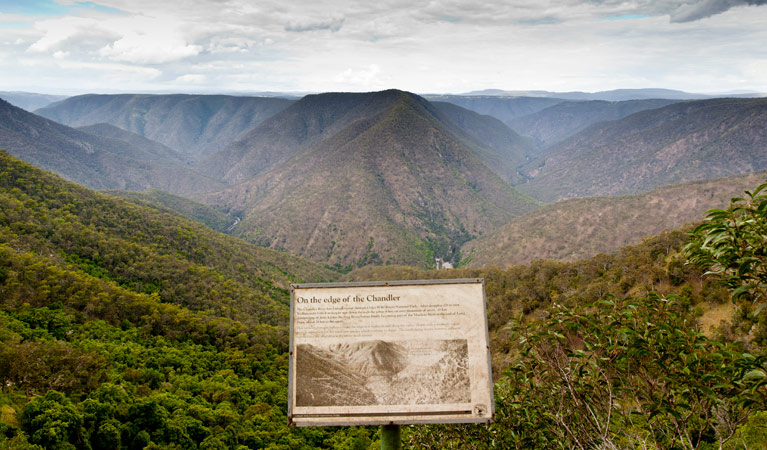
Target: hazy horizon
{"x": 237, "y": 46}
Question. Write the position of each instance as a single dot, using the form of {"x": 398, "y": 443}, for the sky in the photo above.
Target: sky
{"x": 440, "y": 46}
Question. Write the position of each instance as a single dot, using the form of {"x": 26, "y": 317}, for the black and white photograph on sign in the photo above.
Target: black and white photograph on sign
{"x": 381, "y": 372}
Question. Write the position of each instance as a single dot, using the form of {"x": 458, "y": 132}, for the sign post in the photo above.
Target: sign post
{"x": 389, "y": 353}
{"x": 390, "y": 437}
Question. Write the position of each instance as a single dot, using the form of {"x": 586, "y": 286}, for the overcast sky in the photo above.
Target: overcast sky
{"x": 441, "y": 46}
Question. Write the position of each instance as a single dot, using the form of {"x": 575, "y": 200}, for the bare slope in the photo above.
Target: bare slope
{"x": 94, "y": 161}
{"x": 195, "y": 125}
{"x": 393, "y": 187}
{"x": 677, "y": 143}
{"x": 581, "y": 228}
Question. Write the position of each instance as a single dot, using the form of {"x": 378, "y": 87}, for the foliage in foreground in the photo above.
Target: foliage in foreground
{"x": 632, "y": 373}
{"x": 113, "y": 335}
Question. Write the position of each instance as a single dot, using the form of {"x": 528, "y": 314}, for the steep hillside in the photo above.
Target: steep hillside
{"x": 125, "y": 327}
{"x": 394, "y": 187}
{"x": 581, "y": 228}
{"x": 175, "y": 204}
{"x": 309, "y": 121}
{"x": 677, "y": 143}
{"x": 496, "y": 145}
{"x": 95, "y": 161}
{"x": 167, "y": 329}
{"x": 145, "y": 149}
{"x": 195, "y": 125}
{"x": 145, "y": 249}
{"x": 565, "y": 119}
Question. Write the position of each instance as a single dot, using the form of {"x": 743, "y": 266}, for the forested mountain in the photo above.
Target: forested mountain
{"x": 565, "y": 119}
{"x": 144, "y": 248}
{"x": 96, "y": 161}
{"x": 123, "y": 326}
{"x": 175, "y": 204}
{"x": 584, "y": 227}
{"x": 373, "y": 178}
{"x": 677, "y": 143}
{"x": 309, "y": 121}
{"x": 194, "y": 125}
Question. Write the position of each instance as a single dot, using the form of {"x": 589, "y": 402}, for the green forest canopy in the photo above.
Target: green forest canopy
{"x": 124, "y": 326}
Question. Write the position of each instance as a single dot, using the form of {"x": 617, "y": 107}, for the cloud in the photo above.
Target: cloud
{"x": 192, "y": 78}
{"x": 147, "y": 40}
{"x": 61, "y": 32}
{"x": 696, "y": 10}
{"x": 133, "y": 39}
{"x": 333, "y": 24}
{"x": 367, "y": 77}
{"x": 307, "y": 45}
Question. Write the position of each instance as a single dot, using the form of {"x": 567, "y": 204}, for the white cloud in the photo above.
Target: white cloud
{"x": 148, "y": 40}
{"x": 425, "y": 46}
{"x": 192, "y": 78}
{"x": 367, "y": 77}
{"x": 56, "y": 32}
{"x": 332, "y": 24}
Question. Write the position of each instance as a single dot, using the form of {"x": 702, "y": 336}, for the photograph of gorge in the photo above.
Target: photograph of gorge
{"x": 383, "y": 373}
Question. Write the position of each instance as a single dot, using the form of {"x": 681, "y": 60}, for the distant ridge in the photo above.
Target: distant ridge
{"x": 194, "y": 125}
{"x": 495, "y": 144}
{"x": 680, "y": 142}
{"x": 502, "y": 108}
{"x": 307, "y": 122}
{"x": 95, "y": 161}
{"x": 612, "y": 95}
{"x": 560, "y": 121}
{"x": 30, "y": 101}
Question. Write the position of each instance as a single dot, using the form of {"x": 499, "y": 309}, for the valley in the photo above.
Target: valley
{"x": 391, "y": 177}
{"x": 148, "y": 242}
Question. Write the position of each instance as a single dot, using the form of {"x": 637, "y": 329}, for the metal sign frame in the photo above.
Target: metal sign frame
{"x": 365, "y": 346}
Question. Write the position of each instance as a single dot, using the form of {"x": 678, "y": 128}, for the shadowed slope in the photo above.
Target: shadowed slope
{"x": 95, "y": 161}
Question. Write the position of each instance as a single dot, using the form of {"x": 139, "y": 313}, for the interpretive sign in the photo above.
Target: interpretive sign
{"x": 397, "y": 352}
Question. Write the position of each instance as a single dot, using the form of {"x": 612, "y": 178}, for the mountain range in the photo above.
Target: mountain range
{"x": 558, "y": 122}
{"x": 371, "y": 178}
{"x": 390, "y": 177}
{"x": 101, "y": 161}
{"x": 615, "y": 95}
{"x": 29, "y": 100}
{"x": 677, "y": 143}
{"x": 193, "y": 125}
